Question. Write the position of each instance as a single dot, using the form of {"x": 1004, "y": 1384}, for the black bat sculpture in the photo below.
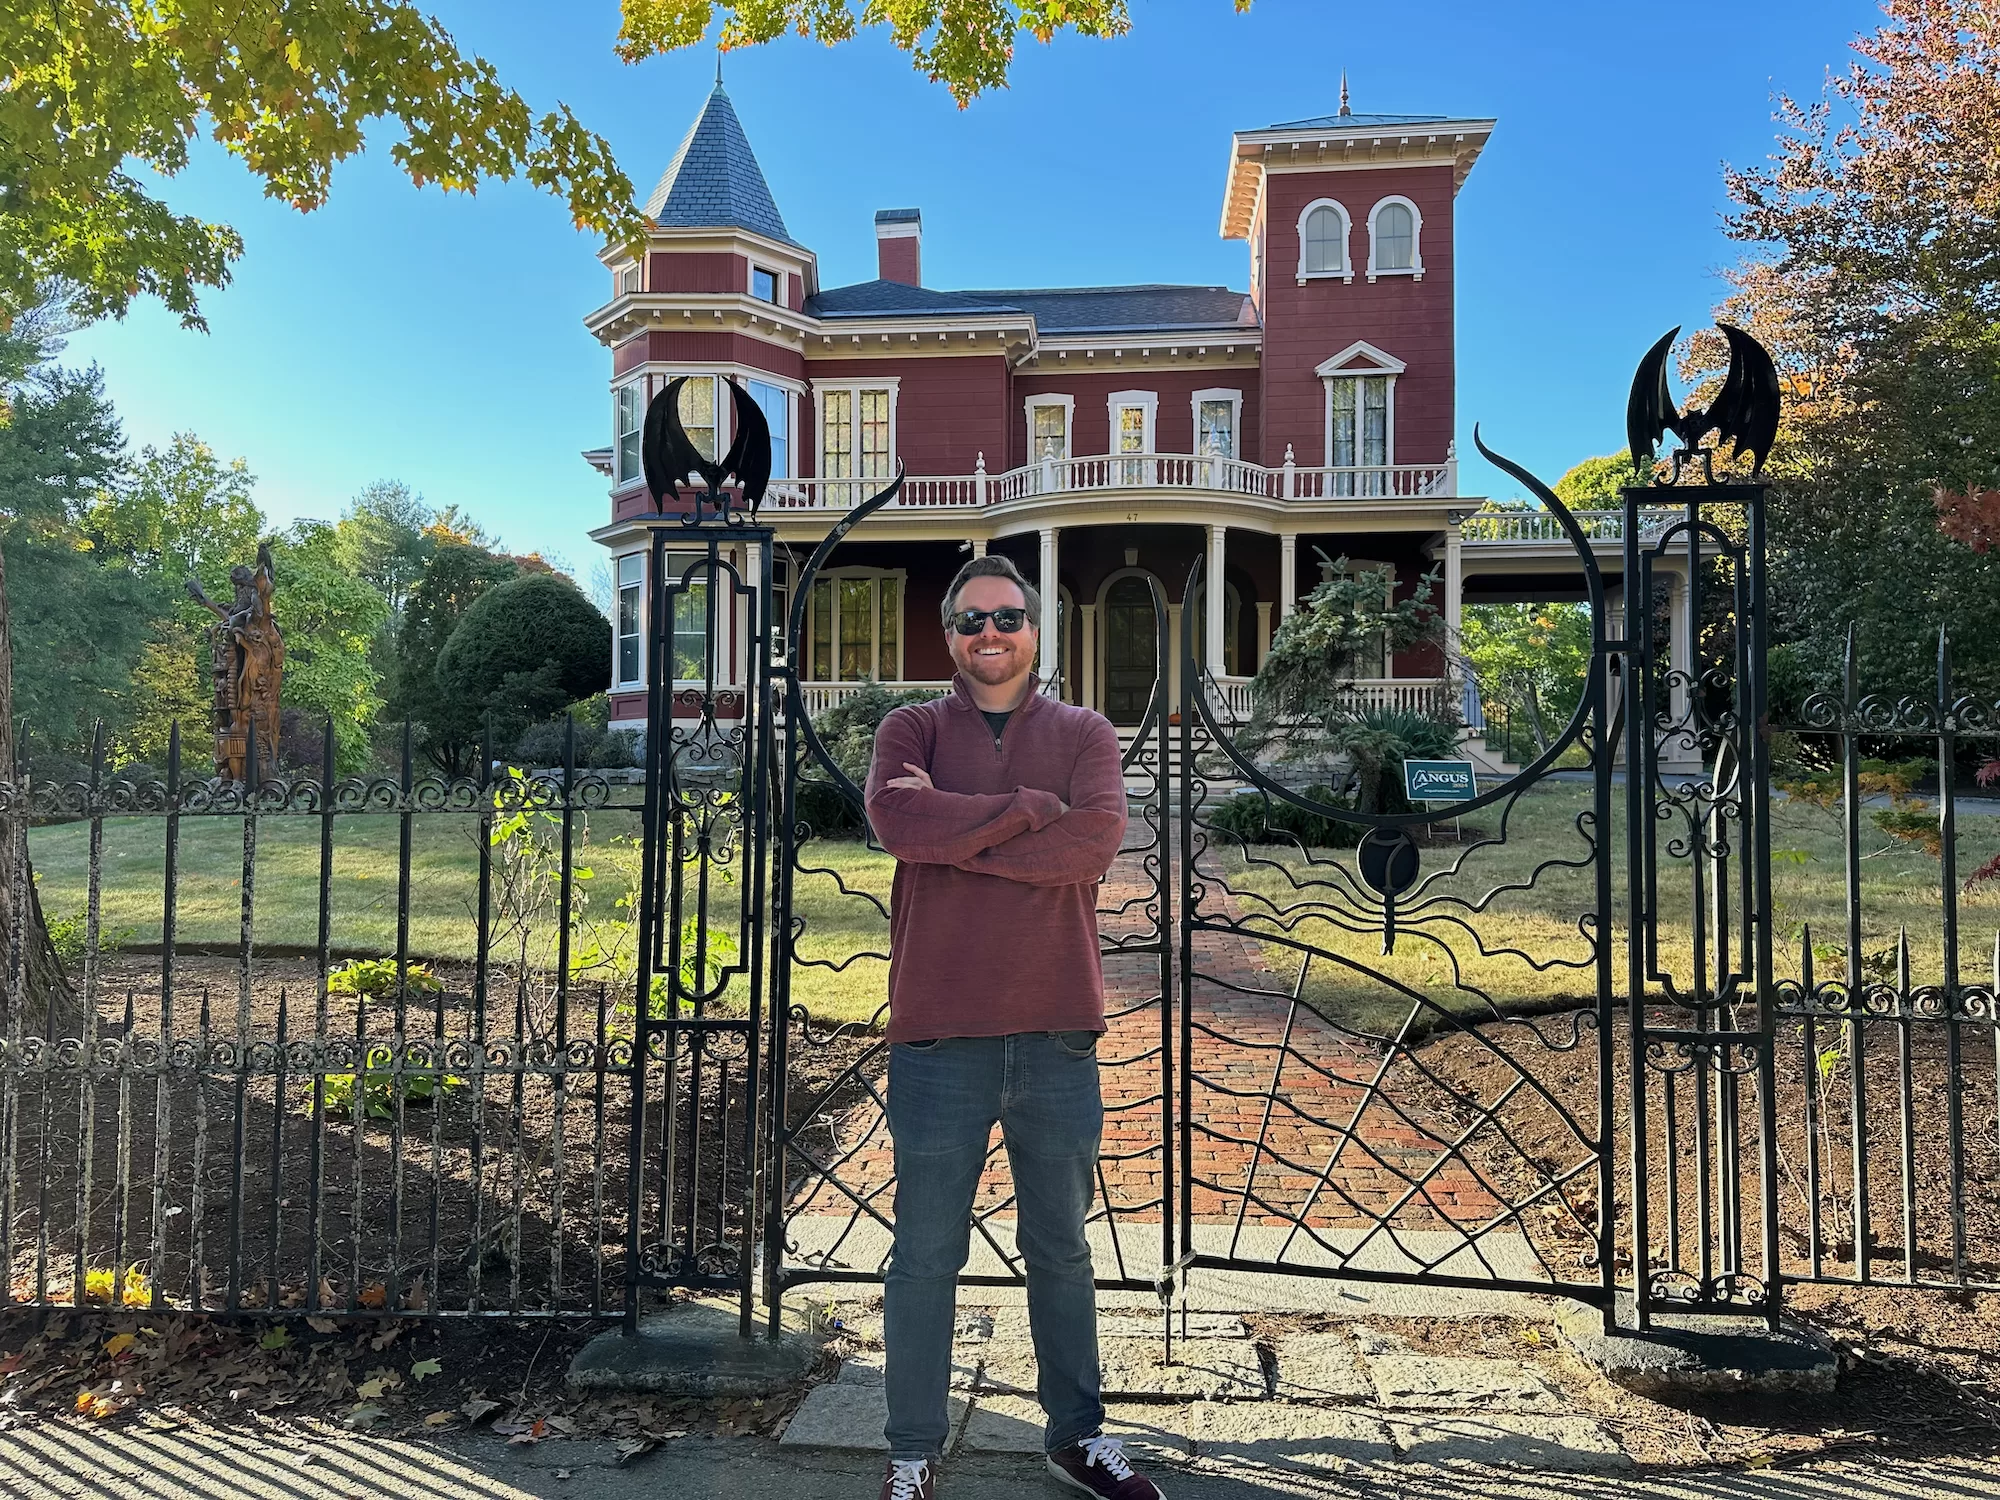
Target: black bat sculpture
{"x": 1745, "y": 412}
{"x": 669, "y": 455}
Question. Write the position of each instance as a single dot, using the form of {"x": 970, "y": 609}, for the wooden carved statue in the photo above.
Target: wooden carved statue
{"x": 247, "y": 655}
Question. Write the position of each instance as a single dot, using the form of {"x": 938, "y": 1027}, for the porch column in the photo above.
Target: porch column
{"x": 979, "y": 546}
{"x": 1288, "y": 574}
{"x": 746, "y": 613}
{"x": 1614, "y": 687}
{"x": 1454, "y": 585}
{"x": 1215, "y": 596}
{"x": 1173, "y": 658}
{"x": 1050, "y": 625}
{"x": 1263, "y": 632}
{"x": 1086, "y": 653}
{"x": 1680, "y": 639}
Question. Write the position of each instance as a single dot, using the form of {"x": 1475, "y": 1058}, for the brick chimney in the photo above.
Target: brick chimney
{"x": 899, "y": 245}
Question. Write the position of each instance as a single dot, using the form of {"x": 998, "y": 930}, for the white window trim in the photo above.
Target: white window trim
{"x": 1379, "y": 363}
{"x": 727, "y": 675}
{"x": 792, "y": 390}
{"x": 619, "y": 684}
{"x": 638, "y": 378}
{"x": 1147, "y": 401}
{"x": 750, "y": 281}
{"x": 630, "y": 278}
{"x": 1345, "y": 270}
{"x": 890, "y": 383}
{"x": 902, "y": 577}
{"x": 1235, "y": 400}
{"x": 1415, "y": 269}
{"x": 1068, "y": 405}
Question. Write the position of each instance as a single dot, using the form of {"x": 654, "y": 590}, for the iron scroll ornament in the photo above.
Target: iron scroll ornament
{"x": 669, "y": 457}
{"x": 1594, "y": 596}
{"x": 1744, "y": 412}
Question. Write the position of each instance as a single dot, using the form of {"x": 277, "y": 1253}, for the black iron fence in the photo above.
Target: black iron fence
{"x": 340, "y": 1045}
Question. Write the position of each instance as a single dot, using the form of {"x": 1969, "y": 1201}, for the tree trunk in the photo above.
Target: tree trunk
{"x": 45, "y": 988}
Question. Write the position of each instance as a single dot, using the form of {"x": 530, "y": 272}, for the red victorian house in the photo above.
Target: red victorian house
{"x": 1098, "y": 436}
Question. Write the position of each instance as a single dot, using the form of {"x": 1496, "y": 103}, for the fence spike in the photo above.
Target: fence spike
{"x": 1903, "y": 960}
{"x": 1849, "y": 677}
{"x": 1806, "y": 958}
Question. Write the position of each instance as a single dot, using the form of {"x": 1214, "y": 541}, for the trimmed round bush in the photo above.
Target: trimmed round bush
{"x": 522, "y": 651}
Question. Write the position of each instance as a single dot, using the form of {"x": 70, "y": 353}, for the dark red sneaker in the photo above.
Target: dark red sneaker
{"x": 908, "y": 1479}
{"x": 1097, "y": 1466}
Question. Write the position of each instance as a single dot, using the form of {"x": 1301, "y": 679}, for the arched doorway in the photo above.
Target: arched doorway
{"x": 1130, "y": 662}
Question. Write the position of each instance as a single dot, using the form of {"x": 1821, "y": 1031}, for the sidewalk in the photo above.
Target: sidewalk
{"x": 157, "y": 1458}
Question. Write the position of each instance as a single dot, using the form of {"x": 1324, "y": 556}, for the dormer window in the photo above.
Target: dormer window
{"x": 1323, "y": 241}
{"x": 631, "y": 279}
{"x": 1392, "y": 239}
{"x": 766, "y": 285}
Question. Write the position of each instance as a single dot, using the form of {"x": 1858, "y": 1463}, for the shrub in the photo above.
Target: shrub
{"x": 1379, "y": 740}
{"x": 1259, "y": 819}
{"x": 523, "y": 650}
{"x": 848, "y": 732}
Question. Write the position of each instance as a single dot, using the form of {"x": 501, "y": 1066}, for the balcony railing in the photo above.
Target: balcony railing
{"x": 1231, "y": 700}
{"x": 1126, "y": 471}
{"x": 1534, "y": 526}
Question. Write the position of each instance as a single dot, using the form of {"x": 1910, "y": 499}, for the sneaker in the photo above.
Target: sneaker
{"x": 1097, "y": 1466}
{"x": 908, "y": 1479}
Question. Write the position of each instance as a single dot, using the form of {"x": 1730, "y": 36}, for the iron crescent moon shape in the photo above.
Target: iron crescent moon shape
{"x": 1649, "y": 411}
{"x": 750, "y": 455}
{"x": 1746, "y": 413}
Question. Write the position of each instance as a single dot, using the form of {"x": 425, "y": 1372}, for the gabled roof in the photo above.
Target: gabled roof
{"x": 714, "y": 181}
{"x": 1056, "y": 310}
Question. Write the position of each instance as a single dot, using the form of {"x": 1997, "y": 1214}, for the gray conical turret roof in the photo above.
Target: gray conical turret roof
{"x": 714, "y": 181}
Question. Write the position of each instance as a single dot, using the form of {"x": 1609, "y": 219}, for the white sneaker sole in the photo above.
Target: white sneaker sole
{"x": 1072, "y": 1482}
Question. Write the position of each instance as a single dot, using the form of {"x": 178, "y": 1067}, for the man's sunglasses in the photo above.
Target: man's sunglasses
{"x": 972, "y": 621}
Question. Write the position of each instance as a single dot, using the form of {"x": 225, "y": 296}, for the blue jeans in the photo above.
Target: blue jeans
{"x": 944, "y": 1098}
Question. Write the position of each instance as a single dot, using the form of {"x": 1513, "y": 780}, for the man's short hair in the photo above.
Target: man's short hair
{"x": 992, "y": 565}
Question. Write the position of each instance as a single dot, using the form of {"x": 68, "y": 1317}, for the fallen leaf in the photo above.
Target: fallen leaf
{"x": 1759, "y": 1461}
{"x": 277, "y": 1338}
{"x": 323, "y": 1325}
{"x": 414, "y": 1298}
{"x": 563, "y": 1425}
{"x": 440, "y": 1418}
{"x": 423, "y": 1369}
{"x": 374, "y": 1296}
{"x": 562, "y": 1473}
{"x": 478, "y": 1408}
{"x": 363, "y": 1416}
{"x": 386, "y": 1337}
{"x": 116, "y": 1345}
{"x": 635, "y": 1447}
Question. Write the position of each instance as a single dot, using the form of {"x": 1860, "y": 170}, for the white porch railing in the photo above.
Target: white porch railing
{"x": 820, "y": 696}
{"x": 1535, "y": 526}
{"x": 1417, "y": 694}
{"x": 1125, "y": 471}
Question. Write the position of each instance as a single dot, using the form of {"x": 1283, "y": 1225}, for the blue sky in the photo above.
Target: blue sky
{"x": 438, "y": 340}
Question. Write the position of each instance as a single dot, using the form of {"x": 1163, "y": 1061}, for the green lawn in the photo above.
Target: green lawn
{"x": 1522, "y": 947}
{"x": 1530, "y": 938}
{"x": 444, "y": 892}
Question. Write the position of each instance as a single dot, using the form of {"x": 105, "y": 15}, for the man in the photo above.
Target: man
{"x": 1003, "y": 808}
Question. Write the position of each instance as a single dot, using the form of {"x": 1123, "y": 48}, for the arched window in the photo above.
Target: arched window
{"x": 1323, "y": 240}
{"x": 1392, "y": 239}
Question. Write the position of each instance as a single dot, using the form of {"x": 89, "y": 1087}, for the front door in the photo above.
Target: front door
{"x": 1130, "y": 660}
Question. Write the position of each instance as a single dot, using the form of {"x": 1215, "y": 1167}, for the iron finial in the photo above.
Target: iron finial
{"x": 1343, "y": 93}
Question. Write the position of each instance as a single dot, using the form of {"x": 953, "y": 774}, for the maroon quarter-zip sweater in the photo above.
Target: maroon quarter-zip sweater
{"x": 993, "y": 916}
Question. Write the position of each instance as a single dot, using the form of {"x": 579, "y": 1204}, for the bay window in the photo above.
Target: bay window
{"x": 629, "y": 417}
{"x": 689, "y": 602}
{"x": 776, "y": 405}
{"x": 631, "y": 612}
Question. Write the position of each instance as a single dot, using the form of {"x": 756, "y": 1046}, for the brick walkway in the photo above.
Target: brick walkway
{"x": 1333, "y": 1154}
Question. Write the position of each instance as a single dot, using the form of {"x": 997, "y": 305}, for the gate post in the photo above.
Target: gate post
{"x": 1702, "y": 1017}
